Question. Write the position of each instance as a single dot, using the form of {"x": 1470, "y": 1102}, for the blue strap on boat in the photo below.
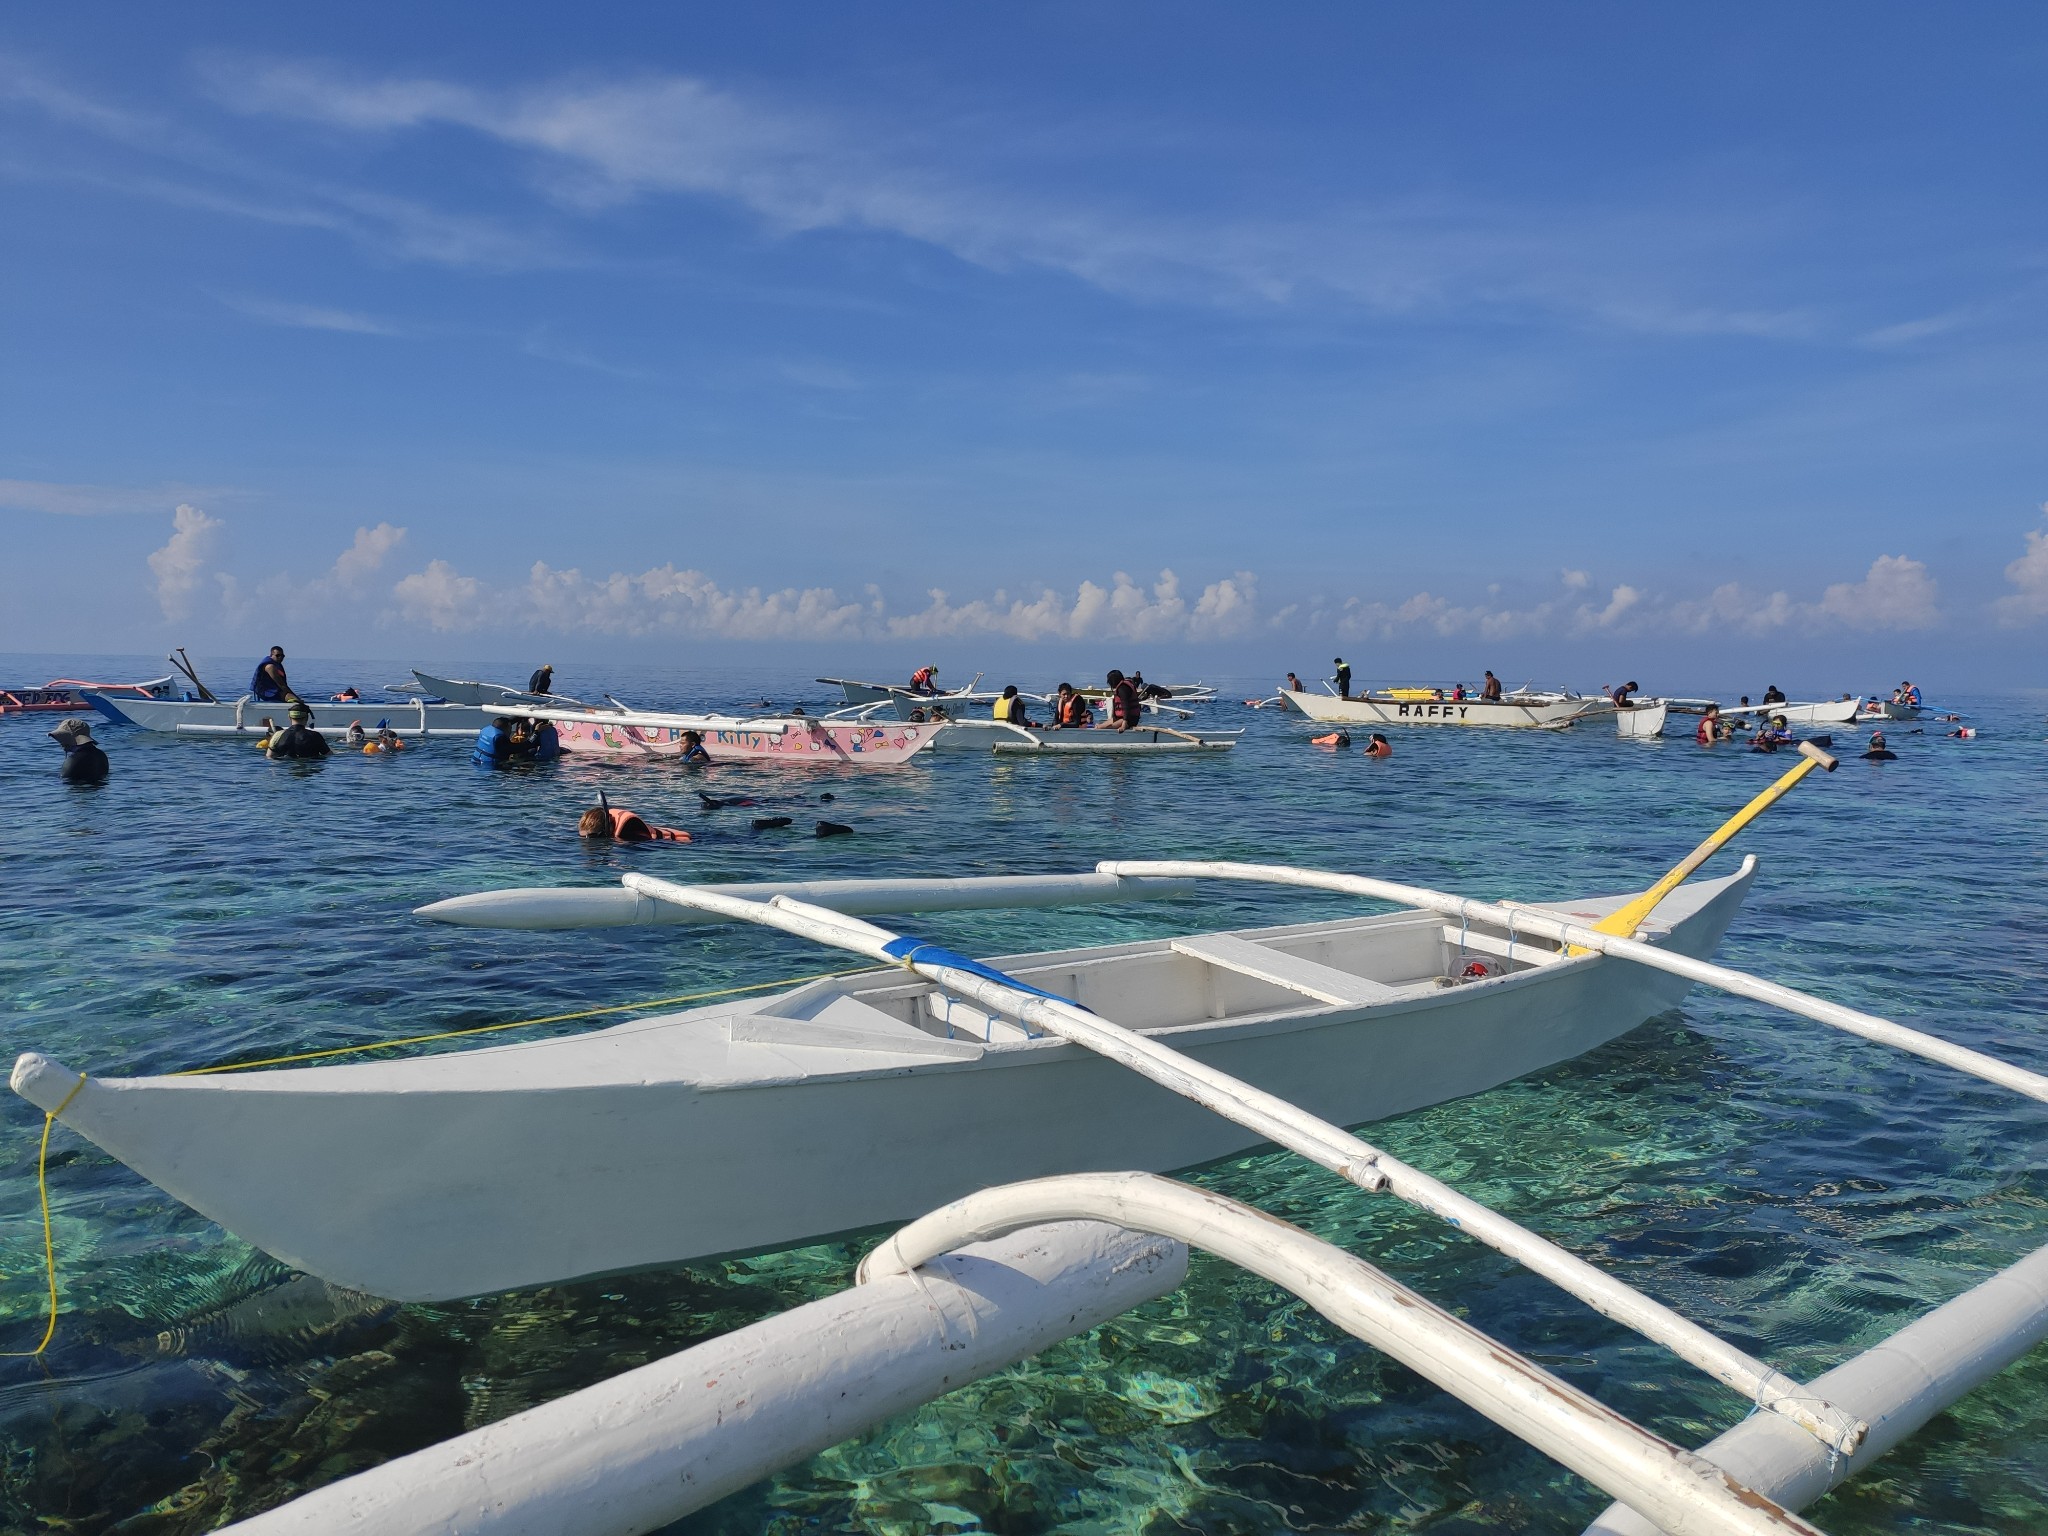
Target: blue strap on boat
{"x": 917, "y": 951}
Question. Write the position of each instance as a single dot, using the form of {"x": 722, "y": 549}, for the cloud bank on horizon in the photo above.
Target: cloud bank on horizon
{"x": 807, "y": 326}
{"x": 1896, "y": 595}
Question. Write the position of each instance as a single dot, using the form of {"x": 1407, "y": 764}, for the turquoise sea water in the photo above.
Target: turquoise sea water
{"x": 1800, "y": 1192}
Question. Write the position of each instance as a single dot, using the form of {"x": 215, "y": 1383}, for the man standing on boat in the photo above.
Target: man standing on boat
{"x": 1343, "y": 679}
{"x": 270, "y": 685}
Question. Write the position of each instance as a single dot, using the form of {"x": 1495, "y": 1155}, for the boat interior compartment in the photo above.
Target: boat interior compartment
{"x": 1171, "y": 983}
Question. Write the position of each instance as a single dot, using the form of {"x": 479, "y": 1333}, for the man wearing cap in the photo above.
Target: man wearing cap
{"x": 542, "y": 681}
{"x": 84, "y": 762}
{"x": 299, "y": 739}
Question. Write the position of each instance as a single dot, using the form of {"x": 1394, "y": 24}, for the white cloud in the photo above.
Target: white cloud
{"x": 665, "y": 600}
{"x": 441, "y": 598}
{"x": 1576, "y": 581}
{"x": 366, "y": 555}
{"x": 179, "y": 564}
{"x": 596, "y": 142}
{"x": 310, "y": 317}
{"x": 2029, "y": 574}
{"x": 1896, "y": 594}
{"x": 1731, "y": 606}
{"x": 1619, "y": 602}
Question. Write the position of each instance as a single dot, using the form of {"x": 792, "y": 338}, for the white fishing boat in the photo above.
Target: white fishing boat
{"x": 1642, "y": 719}
{"x": 1004, "y": 739}
{"x": 1539, "y": 712}
{"x": 1828, "y": 712}
{"x": 458, "y": 690}
{"x": 245, "y": 716}
{"x": 753, "y": 1125}
{"x": 866, "y": 738}
{"x": 903, "y": 698}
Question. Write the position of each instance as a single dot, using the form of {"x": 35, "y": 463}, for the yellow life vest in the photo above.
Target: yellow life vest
{"x": 1005, "y": 706}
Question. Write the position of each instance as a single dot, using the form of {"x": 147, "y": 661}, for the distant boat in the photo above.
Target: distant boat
{"x": 1003, "y": 738}
{"x": 842, "y": 1104}
{"x": 629, "y": 735}
{"x": 65, "y": 695}
{"x": 458, "y": 690}
{"x": 1549, "y": 711}
{"x": 245, "y": 716}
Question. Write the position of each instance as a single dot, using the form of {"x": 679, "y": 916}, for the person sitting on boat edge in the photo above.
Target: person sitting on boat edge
{"x": 1070, "y": 711}
{"x": 607, "y": 825}
{"x": 1010, "y": 707}
{"x": 1292, "y": 685}
{"x": 543, "y": 679}
{"x": 1772, "y": 695}
{"x": 1125, "y": 712}
{"x": 493, "y": 743}
{"x": 1877, "y": 751}
{"x": 1909, "y": 695}
{"x": 1621, "y": 696}
{"x": 1458, "y": 693}
{"x": 693, "y": 748}
{"x": 1343, "y": 679}
{"x": 1489, "y": 691}
{"x": 1379, "y": 746}
{"x": 269, "y": 685}
{"x": 925, "y": 680}
{"x": 299, "y": 739}
{"x": 84, "y": 761}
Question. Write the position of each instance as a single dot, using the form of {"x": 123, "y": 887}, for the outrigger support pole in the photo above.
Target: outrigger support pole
{"x": 1525, "y": 922}
{"x": 1287, "y": 1124}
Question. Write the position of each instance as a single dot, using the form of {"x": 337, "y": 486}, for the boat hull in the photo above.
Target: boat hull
{"x": 513, "y": 1166}
{"x": 67, "y": 697}
{"x": 1642, "y": 720}
{"x": 986, "y": 736}
{"x": 244, "y": 716}
{"x": 1829, "y": 712}
{"x": 1371, "y": 710}
{"x": 858, "y": 744}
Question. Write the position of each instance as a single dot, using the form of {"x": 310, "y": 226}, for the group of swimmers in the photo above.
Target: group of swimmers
{"x": 506, "y": 740}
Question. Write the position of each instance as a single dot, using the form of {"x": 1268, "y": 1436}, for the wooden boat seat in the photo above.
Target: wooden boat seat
{"x": 1311, "y": 978}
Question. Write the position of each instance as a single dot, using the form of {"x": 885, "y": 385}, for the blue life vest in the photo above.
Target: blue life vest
{"x": 547, "y": 742}
{"x": 492, "y": 747}
{"x": 265, "y": 690}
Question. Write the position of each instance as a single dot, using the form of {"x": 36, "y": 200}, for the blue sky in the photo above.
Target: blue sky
{"x": 1574, "y": 337}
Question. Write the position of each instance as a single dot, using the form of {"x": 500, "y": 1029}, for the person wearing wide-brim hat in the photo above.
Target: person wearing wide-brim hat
{"x": 84, "y": 762}
{"x": 299, "y": 739}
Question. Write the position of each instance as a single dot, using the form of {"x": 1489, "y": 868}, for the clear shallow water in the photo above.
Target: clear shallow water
{"x": 1802, "y": 1193}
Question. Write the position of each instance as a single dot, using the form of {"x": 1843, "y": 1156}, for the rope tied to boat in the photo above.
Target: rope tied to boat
{"x": 50, "y": 1118}
{"x": 49, "y": 1241}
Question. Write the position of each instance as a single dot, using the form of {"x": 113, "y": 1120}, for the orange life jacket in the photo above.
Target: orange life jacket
{"x": 628, "y": 827}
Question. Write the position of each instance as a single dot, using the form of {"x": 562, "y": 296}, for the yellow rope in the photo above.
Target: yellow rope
{"x": 50, "y": 1119}
{"x": 49, "y": 1242}
{"x": 486, "y": 1029}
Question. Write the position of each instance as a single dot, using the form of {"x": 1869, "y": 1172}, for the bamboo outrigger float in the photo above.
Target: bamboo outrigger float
{"x": 666, "y": 1439}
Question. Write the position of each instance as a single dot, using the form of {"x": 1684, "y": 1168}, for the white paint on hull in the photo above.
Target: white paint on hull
{"x": 1365, "y": 710}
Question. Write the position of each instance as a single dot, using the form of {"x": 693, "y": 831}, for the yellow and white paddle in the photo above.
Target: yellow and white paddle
{"x": 1624, "y": 922}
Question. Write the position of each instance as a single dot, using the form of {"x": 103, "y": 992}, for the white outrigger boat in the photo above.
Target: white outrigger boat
{"x": 772, "y": 1122}
{"x": 986, "y": 1071}
{"x": 1005, "y": 739}
{"x": 1827, "y": 712}
{"x": 244, "y": 716}
{"x": 903, "y": 698}
{"x": 1539, "y": 712}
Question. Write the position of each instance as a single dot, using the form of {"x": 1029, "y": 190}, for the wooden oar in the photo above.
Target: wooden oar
{"x": 1167, "y": 730}
{"x": 1625, "y": 922}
